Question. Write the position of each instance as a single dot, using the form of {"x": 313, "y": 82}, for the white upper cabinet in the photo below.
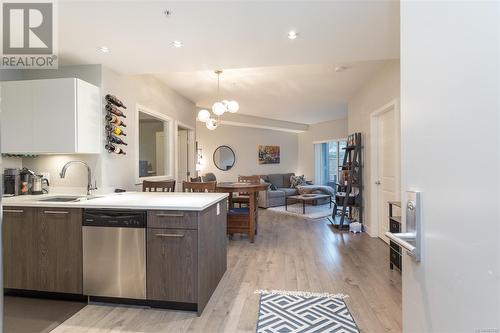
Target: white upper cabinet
{"x": 51, "y": 116}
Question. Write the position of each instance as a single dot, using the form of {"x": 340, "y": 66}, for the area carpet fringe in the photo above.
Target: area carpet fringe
{"x": 299, "y": 293}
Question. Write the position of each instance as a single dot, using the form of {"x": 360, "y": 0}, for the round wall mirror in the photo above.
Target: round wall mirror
{"x": 224, "y": 158}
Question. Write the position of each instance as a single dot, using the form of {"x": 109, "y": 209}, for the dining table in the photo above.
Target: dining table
{"x": 252, "y": 190}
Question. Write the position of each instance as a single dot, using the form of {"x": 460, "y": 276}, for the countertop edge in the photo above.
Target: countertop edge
{"x": 89, "y": 205}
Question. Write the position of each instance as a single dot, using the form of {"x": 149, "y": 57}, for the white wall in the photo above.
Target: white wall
{"x": 326, "y": 131}
{"x": 244, "y": 142}
{"x": 151, "y": 93}
{"x": 450, "y": 152}
{"x": 377, "y": 92}
{"x": 111, "y": 170}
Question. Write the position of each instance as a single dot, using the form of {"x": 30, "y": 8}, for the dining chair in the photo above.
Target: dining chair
{"x": 159, "y": 186}
{"x": 238, "y": 222}
{"x": 243, "y": 197}
{"x": 199, "y": 186}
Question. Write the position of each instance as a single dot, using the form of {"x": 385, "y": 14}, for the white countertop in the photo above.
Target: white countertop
{"x": 126, "y": 200}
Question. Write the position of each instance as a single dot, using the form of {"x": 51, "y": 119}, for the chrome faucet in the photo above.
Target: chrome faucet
{"x": 90, "y": 188}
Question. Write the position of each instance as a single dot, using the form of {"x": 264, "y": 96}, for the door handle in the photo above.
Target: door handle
{"x": 378, "y": 182}
{"x": 13, "y": 211}
{"x": 55, "y": 212}
{"x": 170, "y": 215}
{"x": 170, "y": 235}
{"x": 403, "y": 239}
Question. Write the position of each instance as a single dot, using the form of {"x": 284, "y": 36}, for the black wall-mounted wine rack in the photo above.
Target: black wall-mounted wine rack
{"x": 114, "y": 125}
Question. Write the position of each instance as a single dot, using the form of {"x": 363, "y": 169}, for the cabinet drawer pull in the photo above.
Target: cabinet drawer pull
{"x": 170, "y": 235}
{"x": 13, "y": 211}
{"x": 170, "y": 215}
{"x": 55, "y": 212}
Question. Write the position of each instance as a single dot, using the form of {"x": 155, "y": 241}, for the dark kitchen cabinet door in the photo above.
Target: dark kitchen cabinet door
{"x": 19, "y": 248}
{"x": 172, "y": 265}
{"x": 59, "y": 249}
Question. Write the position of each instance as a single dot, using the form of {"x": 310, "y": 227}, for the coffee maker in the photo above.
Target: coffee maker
{"x": 11, "y": 181}
{"x": 26, "y": 181}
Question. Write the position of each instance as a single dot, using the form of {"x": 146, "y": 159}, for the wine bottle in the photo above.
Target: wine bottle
{"x": 113, "y": 149}
{"x": 113, "y": 99}
{"x": 114, "y": 110}
{"x": 113, "y": 119}
{"x": 114, "y": 139}
{"x": 115, "y": 130}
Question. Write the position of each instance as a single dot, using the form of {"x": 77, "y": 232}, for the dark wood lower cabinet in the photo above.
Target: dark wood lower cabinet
{"x": 43, "y": 249}
{"x": 185, "y": 262}
{"x": 19, "y": 249}
{"x": 186, "y": 253}
{"x": 172, "y": 265}
{"x": 59, "y": 233}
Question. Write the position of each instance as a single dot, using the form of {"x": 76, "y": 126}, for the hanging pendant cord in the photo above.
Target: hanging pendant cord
{"x": 218, "y": 96}
{"x": 218, "y": 86}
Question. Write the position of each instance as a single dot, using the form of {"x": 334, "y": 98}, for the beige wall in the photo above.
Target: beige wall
{"x": 111, "y": 170}
{"x": 326, "y": 131}
{"x": 244, "y": 142}
{"x": 380, "y": 90}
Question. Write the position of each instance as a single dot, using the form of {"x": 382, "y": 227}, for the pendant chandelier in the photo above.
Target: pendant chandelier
{"x": 218, "y": 109}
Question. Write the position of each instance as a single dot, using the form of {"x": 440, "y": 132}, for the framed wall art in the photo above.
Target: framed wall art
{"x": 269, "y": 154}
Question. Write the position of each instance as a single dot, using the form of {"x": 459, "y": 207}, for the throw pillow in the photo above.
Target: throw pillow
{"x": 297, "y": 181}
{"x": 271, "y": 185}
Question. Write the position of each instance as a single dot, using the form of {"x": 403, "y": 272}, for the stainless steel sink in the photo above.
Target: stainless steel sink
{"x": 69, "y": 198}
{"x": 60, "y": 199}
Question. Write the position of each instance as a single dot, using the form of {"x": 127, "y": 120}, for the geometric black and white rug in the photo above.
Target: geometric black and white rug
{"x": 287, "y": 312}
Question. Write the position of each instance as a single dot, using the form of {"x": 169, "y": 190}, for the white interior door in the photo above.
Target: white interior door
{"x": 387, "y": 166}
{"x": 451, "y": 155}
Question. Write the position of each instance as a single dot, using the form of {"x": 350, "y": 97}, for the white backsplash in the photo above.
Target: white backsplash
{"x": 76, "y": 176}
{"x": 12, "y": 162}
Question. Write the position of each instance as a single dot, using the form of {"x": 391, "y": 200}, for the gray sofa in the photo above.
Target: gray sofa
{"x": 274, "y": 198}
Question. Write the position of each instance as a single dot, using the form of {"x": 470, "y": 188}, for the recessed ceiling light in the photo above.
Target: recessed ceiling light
{"x": 177, "y": 43}
{"x": 292, "y": 34}
{"x": 104, "y": 49}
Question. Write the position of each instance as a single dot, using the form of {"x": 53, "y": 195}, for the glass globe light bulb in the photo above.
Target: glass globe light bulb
{"x": 211, "y": 124}
{"x": 233, "y": 106}
{"x": 203, "y": 115}
{"x": 218, "y": 109}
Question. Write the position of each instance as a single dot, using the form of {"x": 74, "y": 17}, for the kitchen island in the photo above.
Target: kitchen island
{"x": 155, "y": 249}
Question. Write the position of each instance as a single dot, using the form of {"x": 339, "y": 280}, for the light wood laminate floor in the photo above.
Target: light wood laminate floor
{"x": 289, "y": 253}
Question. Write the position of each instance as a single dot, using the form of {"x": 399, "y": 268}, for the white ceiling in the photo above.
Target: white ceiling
{"x": 275, "y": 77}
{"x": 303, "y": 93}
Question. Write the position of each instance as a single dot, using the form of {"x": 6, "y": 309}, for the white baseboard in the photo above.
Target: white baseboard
{"x": 367, "y": 229}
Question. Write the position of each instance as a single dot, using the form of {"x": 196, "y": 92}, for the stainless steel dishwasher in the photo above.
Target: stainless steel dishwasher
{"x": 114, "y": 253}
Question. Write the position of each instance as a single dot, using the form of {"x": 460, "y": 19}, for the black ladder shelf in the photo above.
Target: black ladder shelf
{"x": 352, "y": 164}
